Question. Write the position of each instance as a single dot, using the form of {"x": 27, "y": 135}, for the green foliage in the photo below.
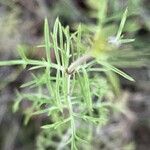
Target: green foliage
{"x": 73, "y": 100}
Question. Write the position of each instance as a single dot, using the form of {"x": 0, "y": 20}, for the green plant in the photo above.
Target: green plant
{"x": 73, "y": 98}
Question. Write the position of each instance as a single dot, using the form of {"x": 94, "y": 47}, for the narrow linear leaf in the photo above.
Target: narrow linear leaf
{"x": 85, "y": 88}
{"x": 48, "y": 110}
{"x": 122, "y": 23}
{"x": 28, "y": 84}
{"x": 112, "y": 68}
{"x": 47, "y": 39}
{"x": 21, "y": 51}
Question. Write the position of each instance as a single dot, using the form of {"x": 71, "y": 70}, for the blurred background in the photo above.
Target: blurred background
{"x": 21, "y": 22}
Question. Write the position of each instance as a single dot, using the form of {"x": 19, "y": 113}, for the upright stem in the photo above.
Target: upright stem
{"x": 70, "y": 108}
{"x": 68, "y": 93}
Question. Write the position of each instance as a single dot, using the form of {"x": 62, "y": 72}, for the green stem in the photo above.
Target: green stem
{"x": 70, "y": 109}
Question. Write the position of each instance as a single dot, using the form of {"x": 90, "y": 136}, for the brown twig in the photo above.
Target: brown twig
{"x": 78, "y": 62}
